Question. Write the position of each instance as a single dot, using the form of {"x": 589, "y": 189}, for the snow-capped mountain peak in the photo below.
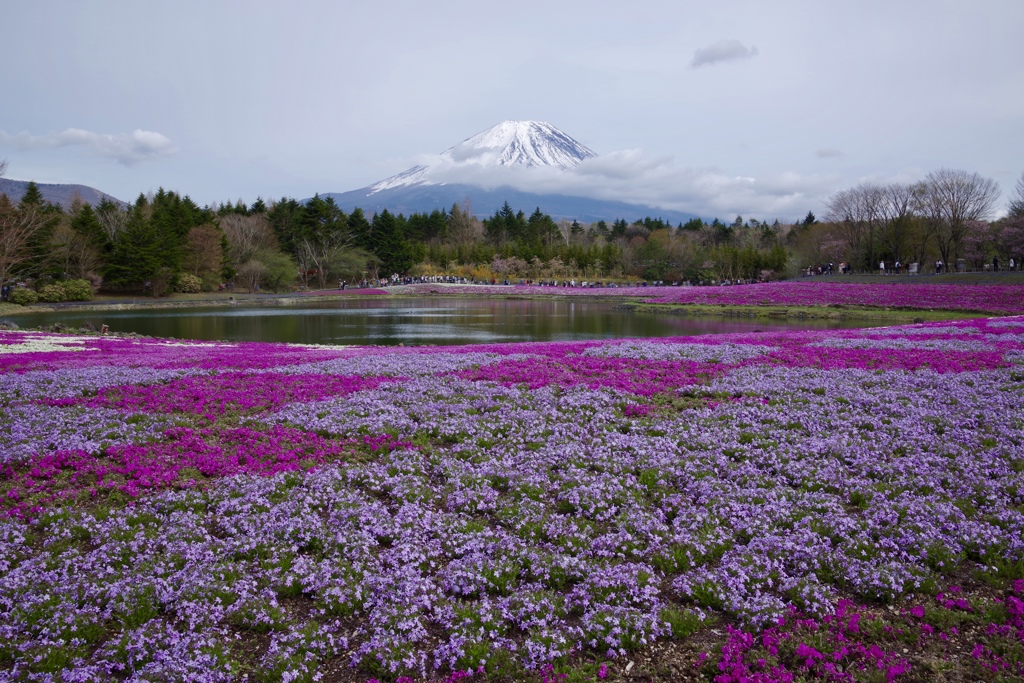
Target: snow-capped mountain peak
{"x": 524, "y": 143}
{"x": 510, "y": 143}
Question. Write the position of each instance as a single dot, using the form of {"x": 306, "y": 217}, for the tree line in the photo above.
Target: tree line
{"x": 945, "y": 217}
{"x": 165, "y": 242}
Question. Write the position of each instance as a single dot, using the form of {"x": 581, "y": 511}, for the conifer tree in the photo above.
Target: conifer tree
{"x": 388, "y": 244}
{"x": 32, "y": 197}
{"x": 135, "y": 258}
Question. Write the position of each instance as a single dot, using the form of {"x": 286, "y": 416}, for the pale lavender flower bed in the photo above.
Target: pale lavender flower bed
{"x": 519, "y": 501}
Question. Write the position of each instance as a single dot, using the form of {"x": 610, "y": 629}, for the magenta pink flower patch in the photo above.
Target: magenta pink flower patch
{"x": 186, "y": 458}
{"x": 214, "y": 395}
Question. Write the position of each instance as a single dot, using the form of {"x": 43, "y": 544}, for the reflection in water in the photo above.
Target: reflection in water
{"x": 392, "y": 321}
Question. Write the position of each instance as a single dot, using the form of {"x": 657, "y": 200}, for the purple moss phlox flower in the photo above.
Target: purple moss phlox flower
{"x": 545, "y": 510}
{"x": 636, "y": 376}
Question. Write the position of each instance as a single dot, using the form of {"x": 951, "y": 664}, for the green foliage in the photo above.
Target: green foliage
{"x": 388, "y": 245}
{"x": 51, "y": 293}
{"x": 23, "y": 296}
{"x": 32, "y": 197}
{"x": 280, "y": 270}
{"x": 188, "y": 284}
{"x": 135, "y": 255}
{"x": 149, "y": 246}
{"x": 77, "y": 290}
{"x": 682, "y": 622}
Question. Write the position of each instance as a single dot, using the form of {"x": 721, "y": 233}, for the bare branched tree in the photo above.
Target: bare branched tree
{"x": 463, "y": 227}
{"x": 3, "y": 168}
{"x": 564, "y": 230}
{"x": 203, "y": 251}
{"x": 897, "y": 213}
{"x": 18, "y": 228}
{"x": 950, "y": 201}
{"x": 73, "y": 252}
{"x": 322, "y": 254}
{"x": 1016, "y": 207}
{"x": 247, "y": 235}
{"x": 251, "y": 274}
{"x": 113, "y": 219}
{"x": 859, "y": 212}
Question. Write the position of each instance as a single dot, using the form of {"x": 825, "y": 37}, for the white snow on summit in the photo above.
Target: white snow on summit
{"x": 510, "y": 143}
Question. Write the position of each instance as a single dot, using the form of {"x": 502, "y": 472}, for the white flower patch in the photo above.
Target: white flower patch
{"x": 32, "y": 343}
{"x": 195, "y": 345}
{"x": 905, "y": 331}
{"x": 400, "y": 365}
{"x": 1012, "y": 322}
{"x": 703, "y": 353}
{"x": 907, "y": 344}
{"x": 322, "y": 347}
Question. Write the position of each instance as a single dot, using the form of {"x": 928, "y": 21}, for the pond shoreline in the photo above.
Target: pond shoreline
{"x": 896, "y": 316}
{"x": 631, "y": 300}
{"x": 628, "y": 303}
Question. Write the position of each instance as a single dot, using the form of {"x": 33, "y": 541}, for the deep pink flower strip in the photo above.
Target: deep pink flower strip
{"x": 212, "y": 395}
{"x": 740, "y": 661}
{"x": 212, "y": 453}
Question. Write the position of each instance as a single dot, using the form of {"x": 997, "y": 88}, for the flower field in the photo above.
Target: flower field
{"x": 830, "y": 505}
{"x": 901, "y": 293}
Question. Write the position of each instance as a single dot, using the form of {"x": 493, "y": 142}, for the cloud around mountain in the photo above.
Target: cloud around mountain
{"x": 636, "y": 177}
{"x": 128, "y": 149}
{"x": 537, "y": 159}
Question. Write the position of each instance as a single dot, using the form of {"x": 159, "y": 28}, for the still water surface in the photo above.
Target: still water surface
{"x": 419, "y": 321}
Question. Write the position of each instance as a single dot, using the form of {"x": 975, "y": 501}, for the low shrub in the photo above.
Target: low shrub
{"x": 52, "y": 293}
{"x": 188, "y": 284}
{"x": 23, "y": 297}
{"x": 77, "y": 290}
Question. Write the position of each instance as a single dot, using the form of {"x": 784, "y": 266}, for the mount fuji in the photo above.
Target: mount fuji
{"x": 512, "y": 161}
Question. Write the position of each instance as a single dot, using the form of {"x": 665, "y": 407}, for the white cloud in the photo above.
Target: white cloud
{"x": 125, "y": 148}
{"x": 634, "y": 177}
{"x": 722, "y": 51}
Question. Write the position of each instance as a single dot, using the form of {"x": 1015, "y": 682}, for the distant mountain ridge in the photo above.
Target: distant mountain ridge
{"x": 511, "y": 146}
{"x": 484, "y": 202}
{"x": 62, "y": 195}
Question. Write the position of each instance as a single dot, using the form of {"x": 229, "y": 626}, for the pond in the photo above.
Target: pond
{"x": 412, "y": 321}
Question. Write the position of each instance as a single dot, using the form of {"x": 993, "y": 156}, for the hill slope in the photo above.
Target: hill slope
{"x": 63, "y": 195}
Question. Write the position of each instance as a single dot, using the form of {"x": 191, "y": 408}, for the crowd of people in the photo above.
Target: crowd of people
{"x": 899, "y": 268}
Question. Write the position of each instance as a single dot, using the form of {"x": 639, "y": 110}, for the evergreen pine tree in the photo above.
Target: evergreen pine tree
{"x": 87, "y": 224}
{"x": 359, "y": 228}
{"x": 388, "y": 244}
{"x": 135, "y": 257}
{"x": 33, "y": 197}
{"x": 284, "y": 219}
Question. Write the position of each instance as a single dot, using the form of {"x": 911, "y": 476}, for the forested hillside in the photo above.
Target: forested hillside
{"x": 165, "y": 242}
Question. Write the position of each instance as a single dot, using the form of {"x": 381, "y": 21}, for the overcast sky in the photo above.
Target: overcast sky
{"x": 718, "y": 108}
